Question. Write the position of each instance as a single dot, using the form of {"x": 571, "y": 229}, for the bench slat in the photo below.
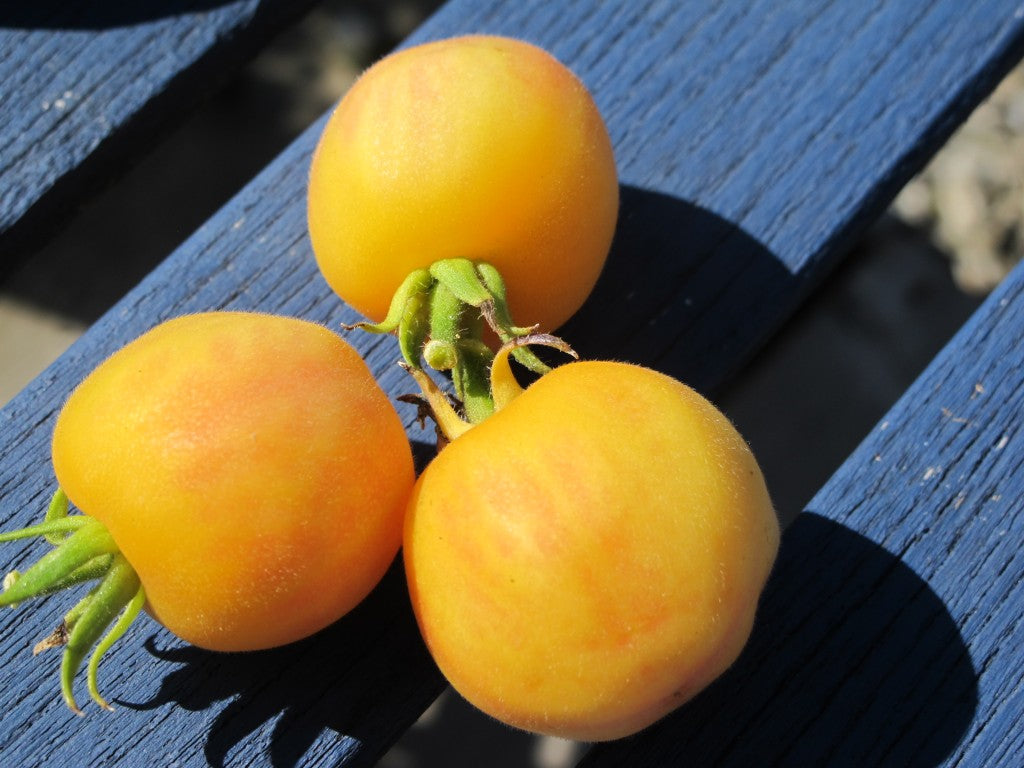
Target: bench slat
{"x": 711, "y": 255}
{"x": 889, "y": 634}
{"x": 83, "y": 87}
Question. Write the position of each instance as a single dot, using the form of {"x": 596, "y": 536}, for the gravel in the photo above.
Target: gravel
{"x": 970, "y": 198}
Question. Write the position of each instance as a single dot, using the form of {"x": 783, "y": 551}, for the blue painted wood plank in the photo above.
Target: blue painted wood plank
{"x": 84, "y": 87}
{"x": 890, "y": 630}
{"x": 727, "y": 221}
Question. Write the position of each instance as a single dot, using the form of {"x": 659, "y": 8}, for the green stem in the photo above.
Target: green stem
{"x": 120, "y": 592}
{"x": 90, "y": 540}
{"x": 445, "y": 314}
{"x": 462, "y": 279}
{"x": 472, "y": 380}
{"x": 440, "y": 315}
{"x": 446, "y": 349}
{"x": 50, "y": 527}
{"x": 85, "y": 551}
{"x": 59, "y": 637}
{"x": 57, "y": 510}
{"x": 88, "y": 571}
{"x": 480, "y": 285}
{"x": 416, "y": 283}
{"x": 496, "y": 285}
{"x": 113, "y": 595}
{"x": 414, "y": 327}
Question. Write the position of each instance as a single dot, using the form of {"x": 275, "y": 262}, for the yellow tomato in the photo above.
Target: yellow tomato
{"x": 248, "y": 467}
{"x": 475, "y": 147}
{"x": 591, "y": 556}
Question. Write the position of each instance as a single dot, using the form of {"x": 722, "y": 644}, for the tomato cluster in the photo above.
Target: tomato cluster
{"x": 582, "y": 555}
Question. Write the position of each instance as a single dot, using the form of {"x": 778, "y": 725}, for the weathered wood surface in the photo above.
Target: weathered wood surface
{"x": 85, "y": 86}
{"x": 754, "y": 143}
{"x": 890, "y": 632}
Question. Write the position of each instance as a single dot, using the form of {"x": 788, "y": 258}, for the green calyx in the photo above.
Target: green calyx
{"x": 83, "y": 552}
{"x": 439, "y": 315}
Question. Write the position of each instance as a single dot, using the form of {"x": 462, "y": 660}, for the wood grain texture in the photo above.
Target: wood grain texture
{"x": 754, "y": 143}
{"x": 890, "y": 632}
{"x": 83, "y": 87}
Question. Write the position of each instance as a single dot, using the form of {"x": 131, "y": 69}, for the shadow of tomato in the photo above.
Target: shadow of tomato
{"x": 684, "y": 291}
{"x": 321, "y": 696}
{"x": 854, "y": 661}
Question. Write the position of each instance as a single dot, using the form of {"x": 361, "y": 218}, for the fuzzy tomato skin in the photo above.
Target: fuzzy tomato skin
{"x": 249, "y": 468}
{"x": 476, "y": 147}
{"x": 591, "y": 556}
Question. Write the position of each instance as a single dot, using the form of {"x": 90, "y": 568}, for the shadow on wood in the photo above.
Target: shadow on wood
{"x": 854, "y": 661}
{"x": 683, "y": 290}
{"x": 57, "y": 14}
{"x": 321, "y": 695}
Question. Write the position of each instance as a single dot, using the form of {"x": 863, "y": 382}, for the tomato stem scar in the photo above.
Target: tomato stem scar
{"x": 83, "y": 551}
